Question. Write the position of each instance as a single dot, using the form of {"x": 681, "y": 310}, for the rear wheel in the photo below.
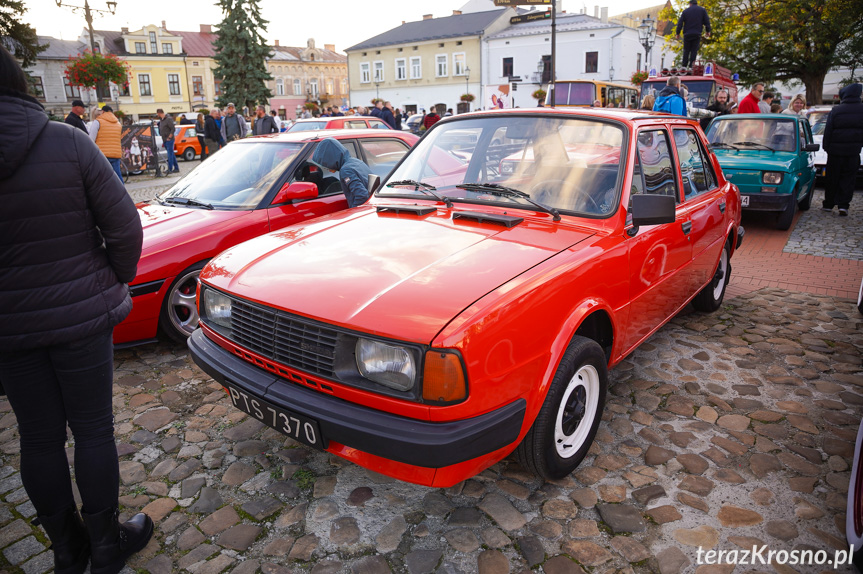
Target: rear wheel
{"x": 710, "y": 298}
{"x": 179, "y": 315}
{"x": 188, "y": 154}
{"x": 786, "y": 218}
{"x": 566, "y": 424}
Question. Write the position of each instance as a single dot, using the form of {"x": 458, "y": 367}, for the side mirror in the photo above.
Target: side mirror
{"x": 651, "y": 209}
{"x": 374, "y": 182}
{"x": 812, "y": 147}
{"x": 294, "y": 191}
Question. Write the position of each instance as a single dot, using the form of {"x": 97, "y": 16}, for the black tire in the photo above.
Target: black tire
{"x": 188, "y": 154}
{"x": 805, "y": 203}
{"x": 125, "y": 171}
{"x": 179, "y": 316}
{"x": 570, "y": 415}
{"x": 786, "y": 218}
{"x": 860, "y": 299}
{"x": 710, "y": 298}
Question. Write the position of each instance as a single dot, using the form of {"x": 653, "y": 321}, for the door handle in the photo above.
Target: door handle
{"x": 722, "y": 207}
{"x": 686, "y": 226}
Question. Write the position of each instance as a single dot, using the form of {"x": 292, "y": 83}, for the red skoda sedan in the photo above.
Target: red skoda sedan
{"x": 474, "y": 305}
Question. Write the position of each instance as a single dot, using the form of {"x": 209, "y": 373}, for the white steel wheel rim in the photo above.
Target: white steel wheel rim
{"x": 723, "y": 268}
{"x": 576, "y": 412}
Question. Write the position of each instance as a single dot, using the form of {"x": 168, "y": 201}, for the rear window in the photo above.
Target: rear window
{"x": 307, "y": 126}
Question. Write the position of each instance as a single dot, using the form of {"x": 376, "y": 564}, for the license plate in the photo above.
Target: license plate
{"x": 744, "y": 201}
{"x": 298, "y": 427}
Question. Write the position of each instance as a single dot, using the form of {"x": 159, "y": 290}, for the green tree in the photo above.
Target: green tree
{"x": 241, "y": 54}
{"x": 19, "y": 38}
{"x": 783, "y": 40}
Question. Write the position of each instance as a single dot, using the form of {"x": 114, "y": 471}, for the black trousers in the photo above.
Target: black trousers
{"x": 691, "y": 43}
{"x": 841, "y": 174}
{"x": 48, "y": 388}
{"x": 203, "y": 148}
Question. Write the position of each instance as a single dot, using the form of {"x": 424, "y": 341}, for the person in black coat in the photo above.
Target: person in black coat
{"x": 71, "y": 240}
{"x": 74, "y": 117}
{"x": 693, "y": 21}
{"x": 843, "y": 140}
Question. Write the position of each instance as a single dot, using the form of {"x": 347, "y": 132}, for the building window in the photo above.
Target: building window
{"x": 167, "y": 48}
{"x": 313, "y": 86}
{"x": 174, "y": 84}
{"x": 71, "y": 91}
{"x": 440, "y": 66}
{"x": 140, "y": 47}
{"x": 280, "y": 87}
{"x": 591, "y": 62}
{"x": 507, "y": 68}
{"x": 195, "y": 63}
{"x": 416, "y": 68}
{"x": 124, "y": 89}
{"x": 401, "y": 69}
{"x": 365, "y": 73}
{"x": 154, "y": 49}
{"x": 344, "y": 86}
{"x": 379, "y": 71}
{"x": 144, "y": 85}
{"x": 218, "y": 89}
{"x": 198, "y": 85}
{"x": 329, "y": 87}
{"x": 298, "y": 88}
{"x": 36, "y": 87}
{"x": 458, "y": 64}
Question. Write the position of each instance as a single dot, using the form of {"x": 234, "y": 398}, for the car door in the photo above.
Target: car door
{"x": 807, "y": 159}
{"x": 659, "y": 255}
{"x": 704, "y": 203}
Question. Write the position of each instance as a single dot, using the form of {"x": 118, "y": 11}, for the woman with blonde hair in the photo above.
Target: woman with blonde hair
{"x": 647, "y": 102}
{"x": 796, "y": 107}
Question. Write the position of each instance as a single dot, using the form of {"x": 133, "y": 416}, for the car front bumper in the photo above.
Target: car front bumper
{"x": 403, "y": 440}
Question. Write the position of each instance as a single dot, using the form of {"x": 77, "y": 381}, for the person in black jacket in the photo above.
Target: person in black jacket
{"x": 74, "y": 117}
{"x": 264, "y": 124}
{"x": 693, "y": 20}
{"x": 212, "y": 133}
{"x": 71, "y": 240}
{"x": 843, "y": 140}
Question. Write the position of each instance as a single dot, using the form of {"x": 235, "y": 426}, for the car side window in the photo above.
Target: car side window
{"x": 355, "y": 124}
{"x": 694, "y": 165}
{"x": 377, "y": 124}
{"x": 656, "y": 163}
{"x": 803, "y": 134}
{"x": 382, "y": 154}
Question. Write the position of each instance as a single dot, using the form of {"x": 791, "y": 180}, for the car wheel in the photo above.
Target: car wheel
{"x": 786, "y": 218}
{"x": 189, "y": 154}
{"x": 179, "y": 315}
{"x": 860, "y": 305}
{"x": 854, "y": 505}
{"x": 710, "y": 297}
{"x": 805, "y": 203}
{"x": 566, "y": 424}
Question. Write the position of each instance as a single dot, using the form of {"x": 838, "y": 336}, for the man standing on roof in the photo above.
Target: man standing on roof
{"x": 692, "y": 20}
{"x": 353, "y": 173}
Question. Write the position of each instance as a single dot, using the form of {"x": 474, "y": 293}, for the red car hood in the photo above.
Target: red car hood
{"x": 401, "y": 276}
{"x": 178, "y": 225}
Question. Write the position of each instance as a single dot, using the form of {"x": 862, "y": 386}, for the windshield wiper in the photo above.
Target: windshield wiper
{"x": 723, "y": 144}
{"x": 495, "y": 189}
{"x": 186, "y": 201}
{"x": 426, "y": 188}
{"x": 749, "y": 144}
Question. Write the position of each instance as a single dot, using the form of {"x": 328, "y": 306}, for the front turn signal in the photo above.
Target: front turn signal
{"x": 443, "y": 378}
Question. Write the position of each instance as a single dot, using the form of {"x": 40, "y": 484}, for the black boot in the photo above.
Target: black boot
{"x": 68, "y": 540}
{"x": 111, "y": 543}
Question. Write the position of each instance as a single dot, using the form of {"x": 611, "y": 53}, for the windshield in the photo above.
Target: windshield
{"x": 307, "y": 126}
{"x": 568, "y": 164}
{"x": 239, "y": 176}
{"x": 776, "y": 135}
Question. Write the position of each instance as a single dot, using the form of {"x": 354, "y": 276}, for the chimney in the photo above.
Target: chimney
{"x": 403, "y": 22}
{"x": 124, "y": 30}
{"x": 596, "y": 12}
{"x": 604, "y": 17}
{"x": 276, "y": 43}
{"x": 428, "y": 16}
{"x": 206, "y": 29}
{"x": 163, "y": 25}
{"x": 330, "y": 47}
{"x": 456, "y": 12}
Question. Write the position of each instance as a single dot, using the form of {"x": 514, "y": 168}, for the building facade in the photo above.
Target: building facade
{"x": 48, "y": 74}
{"x": 432, "y": 62}
{"x": 307, "y": 74}
{"x": 199, "y": 62}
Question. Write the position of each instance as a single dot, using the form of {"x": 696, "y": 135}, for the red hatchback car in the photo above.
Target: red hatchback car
{"x": 338, "y": 123}
{"x": 244, "y": 192}
{"x": 474, "y": 305}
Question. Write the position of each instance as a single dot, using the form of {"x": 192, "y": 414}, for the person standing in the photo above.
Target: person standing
{"x": 106, "y": 132}
{"x": 199, "y": 133}
{"x": 749, "y": 104}
{"x": 398, "y": 118}
{"x": 843, "y": 140}
{"x": 264, "y": 124}
{"x": 431, "y": 118}
{"x": 720, "y": 107}
{"x": 72, "y": 239}
{"x": 233, "y": 126}
{"x": 353, "y": 173}
{"x": 212, "y": 133}
{"x": 796, "y": 107}
{"x": 693, "y": 21}
{"x": 670, "y": 99}
{"x": 166, "y": 130}
{"x": 647, "y": 102}
{"x": 387, "y": 115}
{"x": 765, "y": 106}
{"x": 74, "y": 117}
{"x": 378, "y": 110}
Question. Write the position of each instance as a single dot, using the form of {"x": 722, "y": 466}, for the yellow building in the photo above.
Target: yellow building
{"x": 200, "y": 63}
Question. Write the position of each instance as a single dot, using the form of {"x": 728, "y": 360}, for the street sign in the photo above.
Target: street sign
{"x": 515, "y": 79}
{"x": 520, "y": 2}
{"x": 530, "y": 17}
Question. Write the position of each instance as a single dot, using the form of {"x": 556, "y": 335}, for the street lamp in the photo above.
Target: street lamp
{"x": 466, "y": 79}
{"x": 540, "y": 68}
{"x": 88, "y": 15}
{"x": 377, "y": 90}
{"x": 647, "y": 37}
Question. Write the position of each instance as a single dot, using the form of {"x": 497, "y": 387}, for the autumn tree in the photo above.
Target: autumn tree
{"x": 782, "y": 40}
{"x": 241, "y": 54}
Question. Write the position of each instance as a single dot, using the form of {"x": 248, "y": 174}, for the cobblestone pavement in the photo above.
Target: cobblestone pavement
{"x": 828, "y": 235}
{"x": 147, "y": 186}
{"x": 722, "y": 431}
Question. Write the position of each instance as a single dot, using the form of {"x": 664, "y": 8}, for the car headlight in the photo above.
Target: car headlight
{"x": 217, "y": 310}
{"x": 388, "y": 365}
{"x": 771, "y": 177}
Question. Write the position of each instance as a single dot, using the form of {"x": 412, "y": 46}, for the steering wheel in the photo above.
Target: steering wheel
{"x": 538, "y": 190}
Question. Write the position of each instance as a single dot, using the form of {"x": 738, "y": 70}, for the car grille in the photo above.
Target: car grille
{"x": 284, "y": 338}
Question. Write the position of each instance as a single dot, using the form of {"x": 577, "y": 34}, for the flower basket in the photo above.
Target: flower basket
{"x": 638, "y": 78}
{"x": 310, "y": 106}
{"x": 467, "y": 97}
{"x": 90, "y": 69}
{"x": 539, "y": 95}
{"x": 376, "y": 100}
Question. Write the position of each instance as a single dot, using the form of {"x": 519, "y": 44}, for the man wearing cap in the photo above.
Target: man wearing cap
{"x": 692, "y": 20}
{"x": 233, "y": 126}
{"x": 74, "y": 117}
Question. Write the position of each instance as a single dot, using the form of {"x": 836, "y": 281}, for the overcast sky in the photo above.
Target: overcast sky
{"x": 292, "y": 22}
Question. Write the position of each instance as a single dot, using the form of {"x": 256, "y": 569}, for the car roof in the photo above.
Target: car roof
{"x": 313, "y": 135}
{"x": 768, "y": 116}
{"x": 606, "y": 113}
